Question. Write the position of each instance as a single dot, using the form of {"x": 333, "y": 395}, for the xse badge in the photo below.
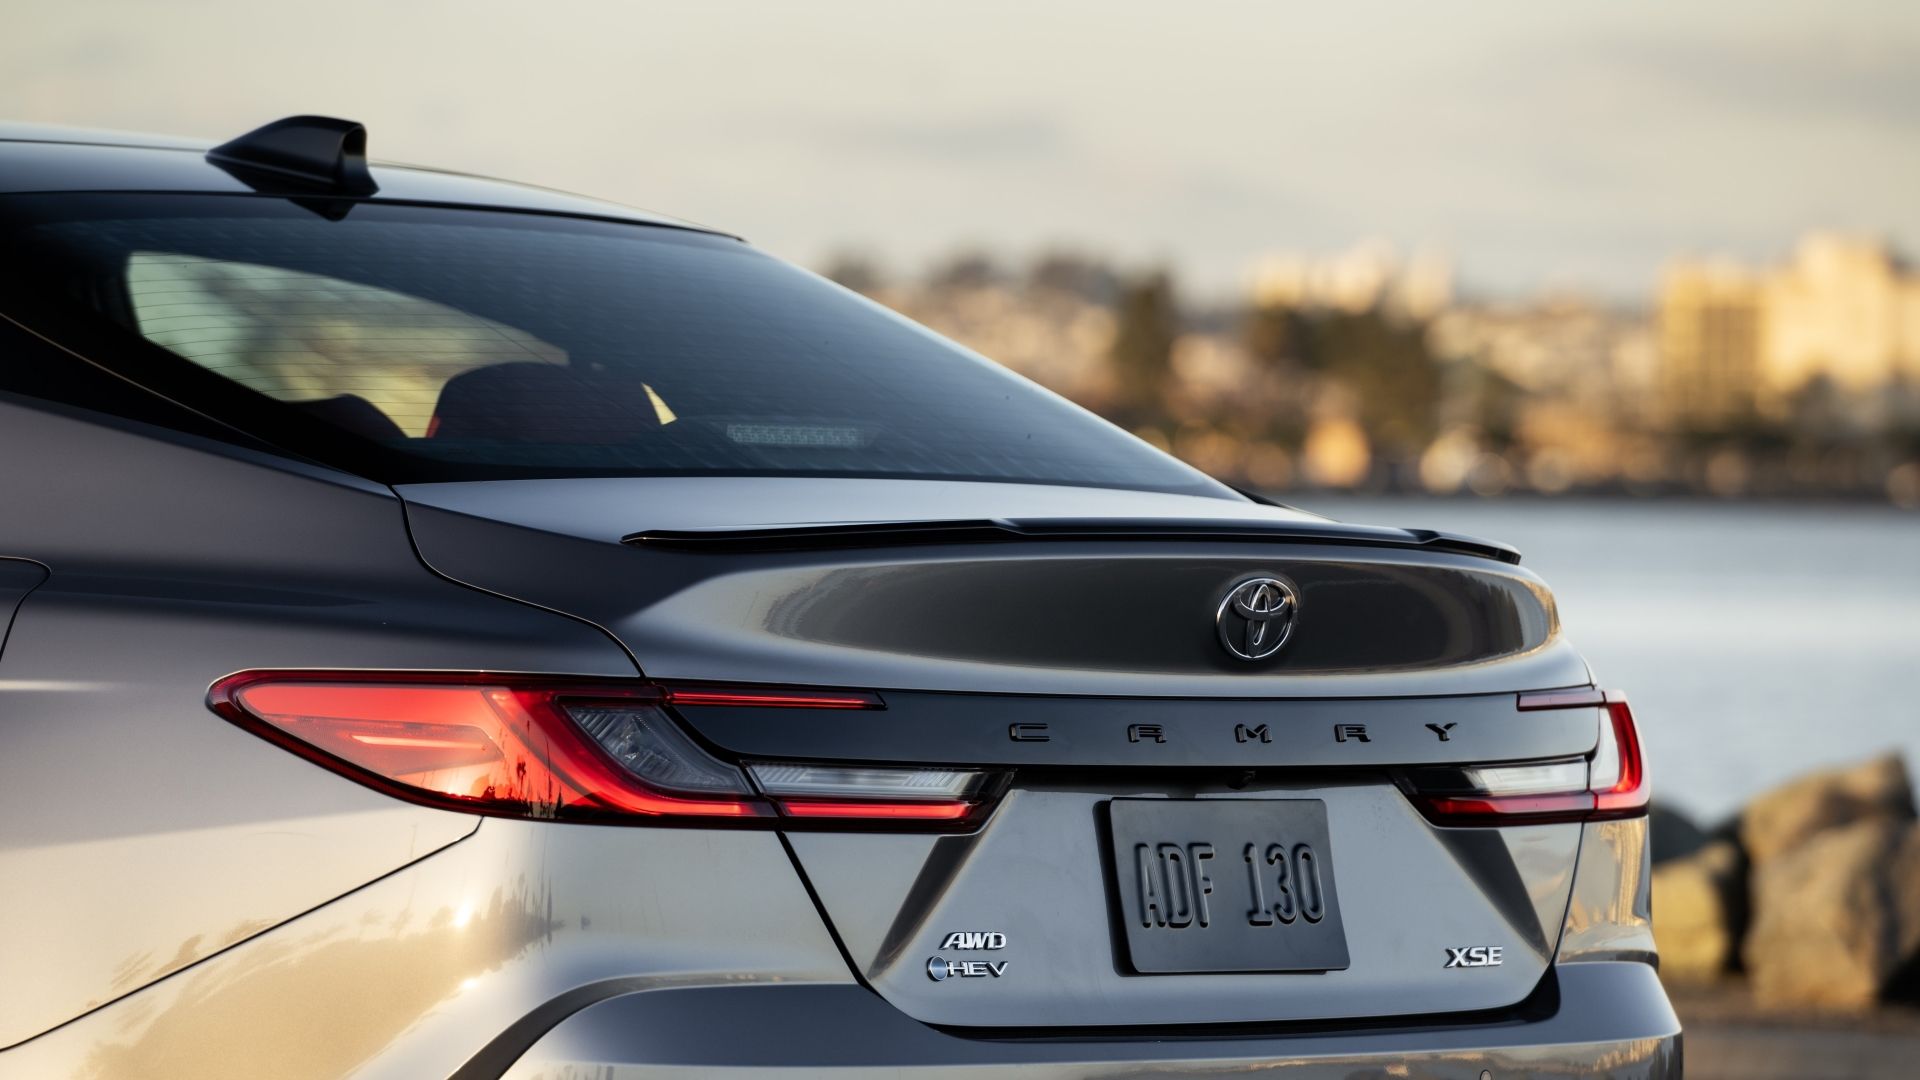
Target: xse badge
{"x": 1472, "y": 956}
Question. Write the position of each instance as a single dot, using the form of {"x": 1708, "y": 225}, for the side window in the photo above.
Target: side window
{"x": 370, "y": 358}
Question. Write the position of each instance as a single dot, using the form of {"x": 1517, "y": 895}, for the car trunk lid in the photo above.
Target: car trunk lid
{"x": 1069, "y": 640}
{"x": 1079, "y": 591}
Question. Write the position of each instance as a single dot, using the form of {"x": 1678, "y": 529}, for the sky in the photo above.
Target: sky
{"x": 1541, "y": 146}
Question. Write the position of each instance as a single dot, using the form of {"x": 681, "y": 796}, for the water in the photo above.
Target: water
{"x": 1756, "y": 641}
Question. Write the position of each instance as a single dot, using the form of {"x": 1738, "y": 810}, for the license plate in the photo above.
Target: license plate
{"x": 1226, "y": 885}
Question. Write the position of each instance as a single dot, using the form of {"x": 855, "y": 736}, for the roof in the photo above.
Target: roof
{"x": 37, "y": 158}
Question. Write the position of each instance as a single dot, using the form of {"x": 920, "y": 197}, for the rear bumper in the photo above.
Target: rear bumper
{"x": 1611, "y": 1019}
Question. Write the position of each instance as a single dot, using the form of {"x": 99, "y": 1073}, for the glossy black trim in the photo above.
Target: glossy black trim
{"x": 1541, "y": 1003}
{"x": 501, "y": 1051}
{"x": 880, "y": 534}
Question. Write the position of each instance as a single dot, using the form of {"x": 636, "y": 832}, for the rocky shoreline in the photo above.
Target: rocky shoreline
{"x": 1807, "y": 902}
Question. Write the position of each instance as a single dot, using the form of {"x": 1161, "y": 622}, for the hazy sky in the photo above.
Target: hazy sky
{"x": 1538, "y": 143}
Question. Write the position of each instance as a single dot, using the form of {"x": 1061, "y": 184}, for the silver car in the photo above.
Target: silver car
{"x": 456, "y": 629}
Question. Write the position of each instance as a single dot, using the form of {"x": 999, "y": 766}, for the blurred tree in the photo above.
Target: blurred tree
{"x": 967, "y": 270}
{"x": 1387, "y": 365}
{"x": 1817, "y": 412}
{"x": 1076, "y": 275}
{"x": 1474, "y": 394}
{"x": 855, "y": 271}
{"x": 1274, "y": 335}
{"x": 1275, "y": 404}
{"x": 1903, "y": 411}
{"x": 1146, "y": 324}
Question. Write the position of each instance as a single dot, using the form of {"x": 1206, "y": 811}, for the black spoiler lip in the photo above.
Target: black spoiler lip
{"x": 880, "y": 534}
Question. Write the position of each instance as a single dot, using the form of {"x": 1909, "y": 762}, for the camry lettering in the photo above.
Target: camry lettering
{"x": 1243, "y": 733}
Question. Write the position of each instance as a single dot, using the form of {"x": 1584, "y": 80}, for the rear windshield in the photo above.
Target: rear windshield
{"x": 419, "y": 344}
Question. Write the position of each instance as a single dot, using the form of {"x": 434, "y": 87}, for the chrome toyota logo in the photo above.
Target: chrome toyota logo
{"x": 1256, "y": 617}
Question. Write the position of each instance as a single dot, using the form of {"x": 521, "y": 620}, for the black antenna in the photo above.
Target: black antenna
{"x": 306, "y": 152}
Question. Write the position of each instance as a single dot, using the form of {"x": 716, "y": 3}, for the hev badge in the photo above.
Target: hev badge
{"x": 940, "y": 969}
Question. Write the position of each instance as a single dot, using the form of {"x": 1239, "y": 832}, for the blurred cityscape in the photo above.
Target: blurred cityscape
{"x": 1362, "y": 370}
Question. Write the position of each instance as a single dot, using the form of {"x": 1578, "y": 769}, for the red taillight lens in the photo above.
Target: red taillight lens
{"x": 876, "y": 811}
{"x": 489, "y": 746}
{"x": 762, "y": 697}
{"x": 1620, "y": 787}
{"x": 531, "y": 747}
{"x": 1610, "y": 784}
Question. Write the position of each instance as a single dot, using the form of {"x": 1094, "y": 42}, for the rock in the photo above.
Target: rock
{"x": 1673, "y": 835}
{"x": 1699, "y": 904}
{"x": 1784, "y": 818}
{"x": 1837, "y": 917}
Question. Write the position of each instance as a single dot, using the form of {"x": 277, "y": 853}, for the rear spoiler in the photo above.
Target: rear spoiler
{"x": 866, "y": 534}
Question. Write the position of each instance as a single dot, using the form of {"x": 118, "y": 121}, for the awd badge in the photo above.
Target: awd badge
{"x": 940, "y": 969}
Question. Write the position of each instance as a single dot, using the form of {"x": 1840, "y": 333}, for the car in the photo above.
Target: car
{"x": 460, "y": 629}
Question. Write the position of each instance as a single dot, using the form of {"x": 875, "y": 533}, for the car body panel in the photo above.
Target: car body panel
{"x": 415, "y": 974}
{"x": 175, "y": 562}
{"x": 1610, "y": 914}
{"x": 18, "y": 577}
{"x": 1037, "y": 873}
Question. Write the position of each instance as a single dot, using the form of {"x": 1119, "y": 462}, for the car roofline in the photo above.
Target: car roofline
{"x": 15, "y": 131}
{"x": 402, "y": 183}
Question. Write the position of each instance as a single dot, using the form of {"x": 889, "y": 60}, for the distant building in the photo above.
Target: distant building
{"x": 1708, "y": 328}
{"x": 1842, "y": 310}
{"x": 1579, "y": 377}
{"x": 1364, "y": 277}
{"x": 1738, "y": 343}
{"x": 1558, "y": 345}
{"x": 1425, "y": 287}
{"x": 1803, "y": 375}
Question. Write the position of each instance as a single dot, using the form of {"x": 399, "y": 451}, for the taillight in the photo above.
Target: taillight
{"x": 1620, "y": 787}
{"x": 1610, "y": 783}
{"x": 531, "y": 747}
{"x": 770, "y": 697}
{"x": 905, "y": 794}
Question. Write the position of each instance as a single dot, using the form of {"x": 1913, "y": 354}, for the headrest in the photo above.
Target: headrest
{"x": 542, "y": 403}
